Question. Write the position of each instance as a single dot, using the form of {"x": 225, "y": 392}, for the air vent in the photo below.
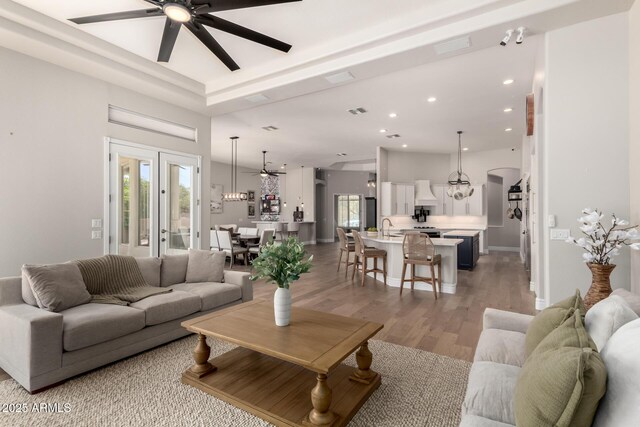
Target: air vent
{"x": 345, "y": 76}
{"x": 395, "y": 135}
{"x": 256, "y": 98}
{"x": 357, "y": 111}
{"x": 453, "y": 45}
{"x": 341, "y": 154}
{"x": 269, "y": 128}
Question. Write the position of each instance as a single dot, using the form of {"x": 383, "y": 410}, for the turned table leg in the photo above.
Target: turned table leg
{"x": 201, "y": 355}
{"x": 320, "y": 415}
{"x": 363, "y": 358}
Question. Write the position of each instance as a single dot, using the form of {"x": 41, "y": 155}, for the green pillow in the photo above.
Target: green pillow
{"x": 563, "y": 380}
{"x": 549, "y": 319}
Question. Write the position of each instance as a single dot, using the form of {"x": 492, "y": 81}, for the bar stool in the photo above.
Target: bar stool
{"x": 362, "y": 255}
{"x": 293, "y": 229}
{"x": 345, "y": 246}
{"x": 418, "y": 249}
{"x": 279, "y": 228}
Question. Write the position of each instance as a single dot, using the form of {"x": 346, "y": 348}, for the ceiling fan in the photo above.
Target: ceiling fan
{"x": 264, "y": 172}
{"x": 194, "y": 14}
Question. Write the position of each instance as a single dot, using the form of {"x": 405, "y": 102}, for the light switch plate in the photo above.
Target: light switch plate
{"x": 96, "y": 234}
{"x": 552, "y": 221}
{"x": 560, "y": 234}
{"x": 96, "y": 223}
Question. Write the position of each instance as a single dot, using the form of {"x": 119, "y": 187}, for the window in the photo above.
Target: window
{"x": 348, "y": 211}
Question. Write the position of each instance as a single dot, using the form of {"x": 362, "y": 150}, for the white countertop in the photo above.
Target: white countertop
{"x": 398, "y": 240}
{"x": 465, "y": 233}
{"x": 282, "y": 222}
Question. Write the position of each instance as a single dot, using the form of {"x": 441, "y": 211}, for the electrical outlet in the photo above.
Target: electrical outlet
{"x": 560, "y": 234}
{"x": 96, "y": 234}
{"x": 96, "y": 223}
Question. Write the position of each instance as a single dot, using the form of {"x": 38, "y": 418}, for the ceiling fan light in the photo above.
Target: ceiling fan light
{"x": 177, "y": 12}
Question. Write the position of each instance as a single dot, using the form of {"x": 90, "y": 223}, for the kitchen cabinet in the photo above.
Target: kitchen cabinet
{"x": 397, "y": 199}
{"x": 468, "y": 250}
{"x": 444, "y": 204}
{"x": 469, "y": 206}
{"x": 475, "y": 203}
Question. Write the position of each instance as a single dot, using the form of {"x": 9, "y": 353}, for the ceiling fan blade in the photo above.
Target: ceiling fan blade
{"x": 131, "y": 14}
{"x": 203, "y": 35}
{"x": 240, "y": 31}
{"x": 169, "y": 36}
{"x": 219, "y": 5}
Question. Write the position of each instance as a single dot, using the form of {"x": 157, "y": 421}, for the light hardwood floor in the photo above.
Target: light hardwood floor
{"x": 449, "y": 326}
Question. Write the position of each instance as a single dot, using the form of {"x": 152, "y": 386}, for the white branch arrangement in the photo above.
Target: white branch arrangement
{"x": 602, "y": 244}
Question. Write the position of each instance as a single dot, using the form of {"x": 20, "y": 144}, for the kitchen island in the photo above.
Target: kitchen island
{"x": 306, "y": 235}
{"x": 447, "y": 248}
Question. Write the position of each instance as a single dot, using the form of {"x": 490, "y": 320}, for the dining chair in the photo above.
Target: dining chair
{"x": 265, "y": 238}
{"x": 213, "y": 238}
{"x": 418, "y": 249}
{"x": 293, "y": 229}
{"x": 362, "y": 256}
{"x": 280, "y": 228}
{"x": 345, "y": 247}
{"x": 232, "y": 251}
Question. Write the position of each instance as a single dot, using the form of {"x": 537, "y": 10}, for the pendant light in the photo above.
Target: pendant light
{"x": 459, "y": 184}
{"x": 302, "y": 204}
{"x": 234, "y": 195}
{"x": 285, "y": 185}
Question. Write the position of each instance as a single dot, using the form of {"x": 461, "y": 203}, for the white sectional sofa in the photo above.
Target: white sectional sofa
{"x": 40, "y": 348}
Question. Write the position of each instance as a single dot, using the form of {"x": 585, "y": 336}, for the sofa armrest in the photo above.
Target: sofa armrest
{"x": 241, "y": 279}
{"x": 11, "y": 291}
{"x": 506, "y": 320}
{"x": 31, "y": 340}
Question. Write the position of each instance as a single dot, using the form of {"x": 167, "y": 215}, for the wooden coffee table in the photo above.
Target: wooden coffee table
{"x": 289, "y": 376}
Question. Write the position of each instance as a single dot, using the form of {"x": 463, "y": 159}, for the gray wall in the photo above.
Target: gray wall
{"x": 586, "y": 144}
{"x": 52, "y": 128}
{"x": 235, "y": 212}
{"x": 634, "y": 128}
{"x": 508, "y": 234}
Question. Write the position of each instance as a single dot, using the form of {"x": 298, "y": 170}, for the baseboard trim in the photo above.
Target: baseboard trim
{"x": 540, "y": 304}
{"x": 504, "y": 249}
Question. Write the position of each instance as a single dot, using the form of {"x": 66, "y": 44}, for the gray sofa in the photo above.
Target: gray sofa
{"x": 500, "y": 355}
{"x": 40, "y": 348}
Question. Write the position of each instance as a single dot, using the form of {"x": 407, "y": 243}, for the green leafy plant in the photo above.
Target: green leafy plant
{"x": 282, "y": 263}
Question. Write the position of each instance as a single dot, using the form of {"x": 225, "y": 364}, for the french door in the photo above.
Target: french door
{"x": 153, "y": 201}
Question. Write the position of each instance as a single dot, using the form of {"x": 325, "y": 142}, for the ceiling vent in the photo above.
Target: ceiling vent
{"x": 269, "y": 128}
{"x": 341, "y": 154}
{"x": 256, "y": 98}
{"x": 357, "y": 111}
{"x": 395, "y": 135}
{"x": 453, "y": 45}
{"x": 345, "y": 76}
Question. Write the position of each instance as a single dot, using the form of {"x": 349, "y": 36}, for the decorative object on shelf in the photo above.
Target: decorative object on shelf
{"x": 515, "y": 192}
{"x": 251, "y": 211}
{"x": 195, "y": 15}
{"x": 601, "y": 244}
{"x": 459, "y": 184}
{"x": 282, "y": 264}
{"x": 215, "y": 204}
{"x": 234, "y": 195}
{"x": 530, "y": 114}
{"x": 298, "y": 215}
{"x": 251, "y": 196}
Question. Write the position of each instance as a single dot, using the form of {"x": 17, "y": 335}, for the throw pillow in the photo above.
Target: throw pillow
{"x": 57, "y": 287}
{"x": 27, "y": 294}
{"x": 173, "y": 269}
{"x": 632, "y": 300}
{"x": 150, "y": 269}
{"x": 606, "y": 317}
{"x": 549, "y": 319}
{"x": 619, "y": 407}
{"x": 563, "y": 380}
{"x": 205, "y": 266}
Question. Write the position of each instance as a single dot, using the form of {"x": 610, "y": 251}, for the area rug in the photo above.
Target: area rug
{"x": 418, "y": 389}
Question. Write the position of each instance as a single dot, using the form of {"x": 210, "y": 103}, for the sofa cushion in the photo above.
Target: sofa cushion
{"x": 606, "y": 317}
{"x": 212, "y": 294}
{"x": 497, "y": 345}
{"x": 619, "y": 407}
{"x": 27, "y": 294}
{"x": 150, "y": 269}
{"x": 631, "y": 299}
{"x": 165, "y": 307}
{"x": 89, "y": 324}
{"x": 57, "y": 287}
{"x": 173, "y": 269}
{"x": 563, "y": 380}
{"x": 490, "y": 391}
{"x": 549, "y": 319}
{"x": 205, "y": 266}
{"x": 476, "y": 421}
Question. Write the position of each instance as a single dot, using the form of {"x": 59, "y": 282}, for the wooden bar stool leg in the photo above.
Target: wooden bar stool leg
{"x": 364, "y": 269}
{"x": 340, "y": 258}
{"x": 440, "y": 277}
{"x": 384, "y": 269}
{"x": 404, "y": 272}
{"x": 433, "y": 282}
{"x": 375, "y": 269}
{"x": 356, "y": 259}
{"x": 347, "y": 263}
{"x": 413, "y": 275}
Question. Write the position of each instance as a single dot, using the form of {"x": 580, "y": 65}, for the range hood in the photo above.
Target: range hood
{"x": 424, "y": 196}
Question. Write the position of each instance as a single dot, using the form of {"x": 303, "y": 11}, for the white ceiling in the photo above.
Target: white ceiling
{"x": 315, "y": 127}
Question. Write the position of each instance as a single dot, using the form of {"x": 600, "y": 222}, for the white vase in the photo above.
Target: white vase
{"x": 282, "y": 306}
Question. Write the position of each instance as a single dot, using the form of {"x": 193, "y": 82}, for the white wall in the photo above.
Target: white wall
{"x": 408, "y": 166}
{"x": 634, "y": 132}
{"x": 52, "y": 148}
{"x": 586, "y": 142}
{"x": 235, "y": 212}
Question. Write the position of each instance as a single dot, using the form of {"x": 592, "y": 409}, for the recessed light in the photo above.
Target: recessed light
{"x": 393, "y": 115}
{"x": 404, "y": 145}
{"x": 282, "y": 167}
{"x": 508, "y": 82}
{"x": 382, "y": 130}
{"x": 508, "y": 110}
{"x": 432, "y": 99}
{"x": 465, "y": 149}
{"x": 508, "y": 130}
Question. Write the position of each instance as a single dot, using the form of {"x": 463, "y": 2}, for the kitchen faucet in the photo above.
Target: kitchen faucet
{"x": 388, "y": 229}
